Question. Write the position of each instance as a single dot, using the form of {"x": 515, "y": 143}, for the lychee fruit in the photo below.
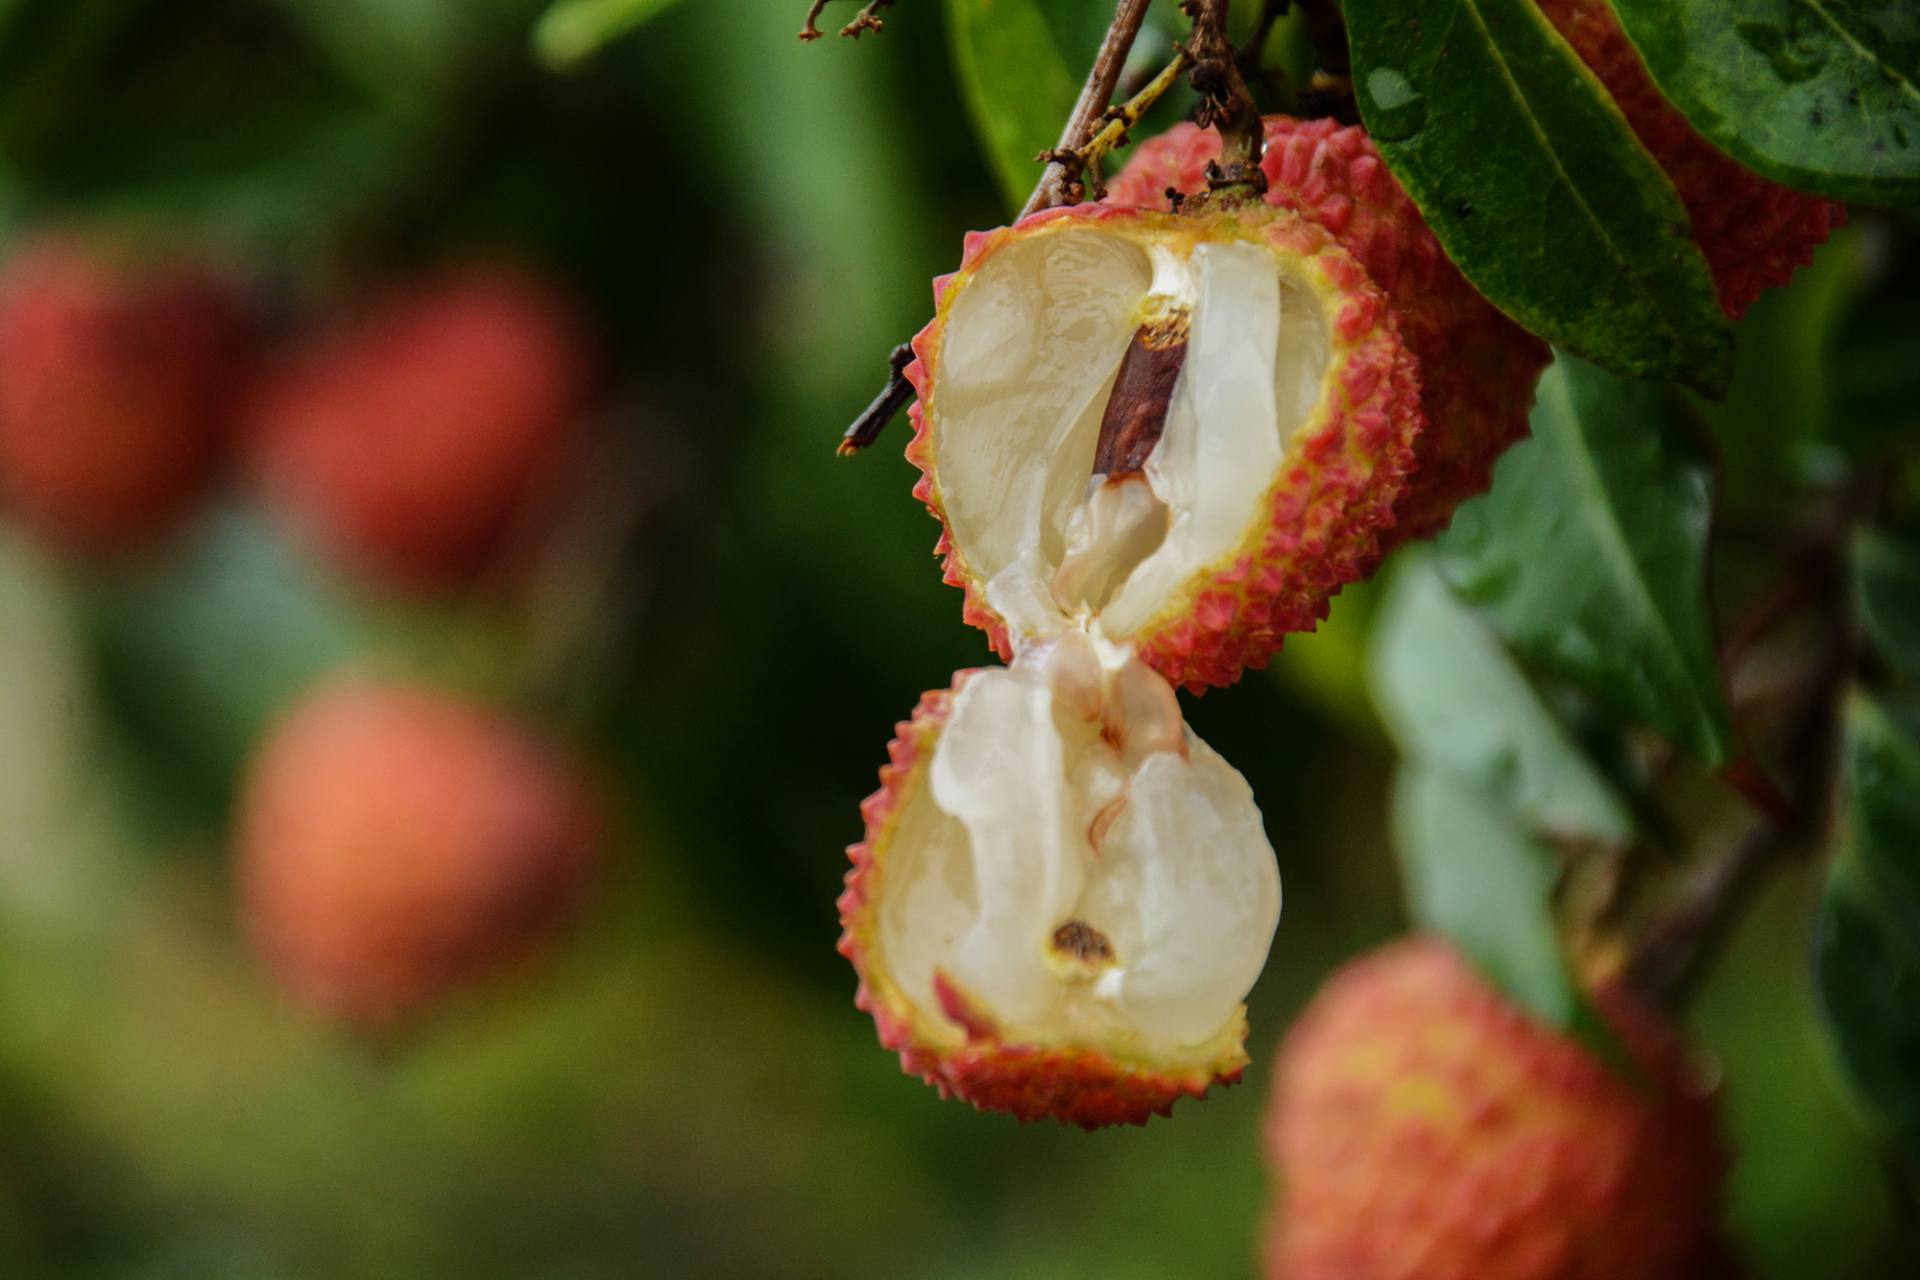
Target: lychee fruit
{"x": 396, "y": 844}
{"x": 1753, "y": 232}
{"x": 407, "y": 443}
{"x": 1063, "y": 895}
{"x": 116, "y": 376}
{"x": 1424, "y": 1126}
{"x": 1478, "y": 369}
{"x": 1185, "y": 432}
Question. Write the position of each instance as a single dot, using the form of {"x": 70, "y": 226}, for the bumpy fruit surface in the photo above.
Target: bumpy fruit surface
{"x": 115, "y": 381}
{"x": 1184, "y": 432}
{"x": 1063, "y": 895}
{"x": 408, "y": 442}
{"x": 396, "y": 844}
{"x": 1753, "y": 232}
{"x": 1423, "y": 1126}
{"x": 1477, "y": 368}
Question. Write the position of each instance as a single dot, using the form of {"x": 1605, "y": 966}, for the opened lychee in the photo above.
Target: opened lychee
{"x": 1182, "y": 432}
{"x": 1478, "y": 369}
{"x": 1063, "y": 895}
{"x": 1424, "y": 1125}
{"x": 116, "y": 374}
{"x": 409, "y": 443}
{"x": 397, "y": 844}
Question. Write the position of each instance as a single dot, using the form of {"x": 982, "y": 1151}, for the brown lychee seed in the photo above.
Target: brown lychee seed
{"x": 117, "y": 374}
{"x": 1183, "y": 432}
{"x": 1063, "y": 895}
{"x": 398, "y": 844}
{"x": 410, "y": 443}
{"x": 1423, "y": 1125}
{"x": 1753, "y": 232}
{"x": 1478, "y": 369}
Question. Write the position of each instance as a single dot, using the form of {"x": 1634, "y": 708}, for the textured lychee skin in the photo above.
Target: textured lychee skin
{"x": 116, "y": 378}
{"x": 1031, "y": 1082}
{"x": 396, "y": 844}
{"x": 1754, "y": 233}
{"x": 1326, "y": 511}
{"x": 406, "y": 444}
{"x": 1423, "y": 1126}
{"x": 1478, "y": 369}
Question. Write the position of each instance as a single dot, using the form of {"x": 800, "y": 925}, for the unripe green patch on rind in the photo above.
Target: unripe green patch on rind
{"x": 1320, "y": 523}
{"x": 957, "y": 1049}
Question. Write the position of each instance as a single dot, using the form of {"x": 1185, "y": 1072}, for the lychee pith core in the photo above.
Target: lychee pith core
{"x": 1111, "y": 403}
{"x": 1077, "y": 868}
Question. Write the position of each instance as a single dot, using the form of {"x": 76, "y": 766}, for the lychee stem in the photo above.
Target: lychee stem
{"x": 1095, "y": 97}
{"x": 1225, "y": 104}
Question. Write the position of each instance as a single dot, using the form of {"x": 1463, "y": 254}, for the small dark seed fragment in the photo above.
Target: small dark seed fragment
{"x": 1083, "y": 942}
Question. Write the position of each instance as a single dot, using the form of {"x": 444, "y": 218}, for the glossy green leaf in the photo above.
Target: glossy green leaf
{"x": 1887, "y": 595}
{"x": 1823, "y": 95}
{"x": 1471, "y": 873}
{"x": 1018, "y": 83}
{"x": 1535, "y": 185}
{"x": 574, "y": 29}
{"x": 1867, "y": 941}
{"x": 1452, "y": 696}
{"x": 1590, "y": 553}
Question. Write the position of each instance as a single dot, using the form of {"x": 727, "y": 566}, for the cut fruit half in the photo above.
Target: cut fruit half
{"x": 1181, "y": 432}
{"x": 1063, "y": 895}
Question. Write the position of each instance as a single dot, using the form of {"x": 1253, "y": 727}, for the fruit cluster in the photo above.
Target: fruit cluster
{"x": 394, "y": 842}
{"x": 1160, "y": 433}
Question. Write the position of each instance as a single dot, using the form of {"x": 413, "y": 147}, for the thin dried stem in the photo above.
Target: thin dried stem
{"x": 868, "y": 19}
{"x": 892, "y": 399}
{"x": 1225, "y": 104}
{"x": 1059, "y": 183}
{"x": 1117, "y": 121}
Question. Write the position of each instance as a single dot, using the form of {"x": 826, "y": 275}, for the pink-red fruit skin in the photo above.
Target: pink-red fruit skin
{"x": 408, "y": 442}
{"x": 116, "y": 376}
{"x": 1477, "y": 368}
{"x": 396, "y": 844}
{"x": 1425, "y": 1128}
{"x": 1326, "y": 513}
{"x": 1753, "y": 232}
{"x": 1030, "y": 1082}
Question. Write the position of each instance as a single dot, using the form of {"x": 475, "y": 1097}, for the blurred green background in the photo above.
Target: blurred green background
{"x": 685, "y": 1089}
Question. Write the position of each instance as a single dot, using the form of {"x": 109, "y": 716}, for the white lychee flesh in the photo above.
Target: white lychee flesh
{"x": 1033, "y": 345}
{"x": 1078, "y": 864}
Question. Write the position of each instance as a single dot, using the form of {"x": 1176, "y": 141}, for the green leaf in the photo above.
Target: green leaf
{"x": 1823, "y": 95}
{"x": 1535, "y": 185}
{"x": 1590, "y": 553}
{"x": 575, "y": 29}
{"x": 1471, "y": 873}
{"x": 1018, "y": 84}
{"x": 1867, "y": 940}
{"x": 1452, "y": 696}
{"x": 1886, "y": 580}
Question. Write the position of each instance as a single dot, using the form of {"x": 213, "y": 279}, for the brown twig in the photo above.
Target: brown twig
{"x": 1671, "y": 957}
{"x": 1225, "y": 104}
{"x": 868, "y": 19}
{"x": 1059, "y": 181}
{"x": 892, "y": 399}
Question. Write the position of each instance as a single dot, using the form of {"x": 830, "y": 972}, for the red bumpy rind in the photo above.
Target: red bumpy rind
{"x": 1478, "y": 369}
{"x": 1754, "y": 233}
{"x": 1327, "y": 511}
{"x": 1074, "y": 1085}
{"x": 1423, "y": 1125}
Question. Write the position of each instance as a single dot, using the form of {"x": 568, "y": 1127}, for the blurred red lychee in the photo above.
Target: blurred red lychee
{"x": 397, "y": 843}
{"x": 405, "y": 444}
{"x": 1423, "y": 1127}
{"x": 116, "y": 374}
